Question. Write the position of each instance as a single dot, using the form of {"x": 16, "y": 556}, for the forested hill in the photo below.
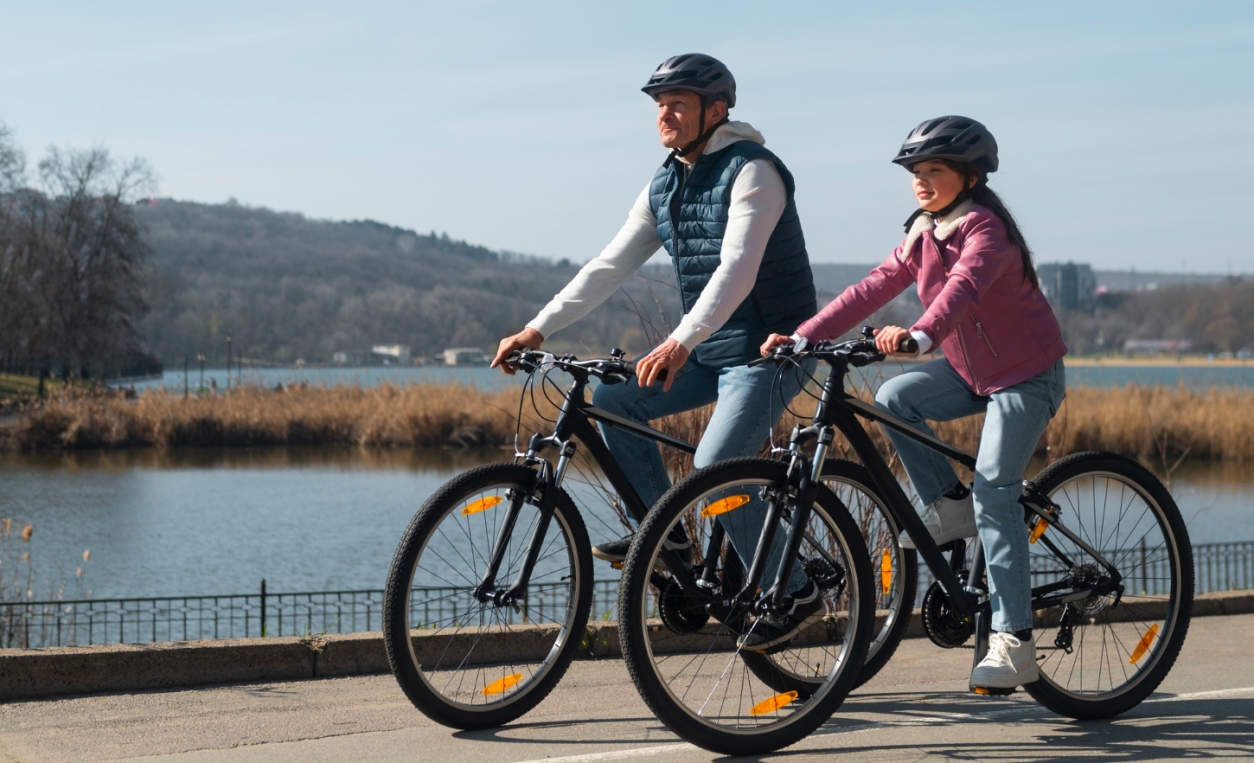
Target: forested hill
{"x": 287, "y": 287}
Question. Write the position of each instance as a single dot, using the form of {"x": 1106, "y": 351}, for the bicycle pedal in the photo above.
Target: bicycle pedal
{"x": 992, "y": 691}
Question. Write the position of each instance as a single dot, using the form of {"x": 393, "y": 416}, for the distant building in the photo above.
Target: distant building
{"x": 339, "y": 358}
{"x": 391, "y": 353}
{"x": 465, "y": 356}
{"x": 1069, "y": 285}
{"x": 1157, "y": 346}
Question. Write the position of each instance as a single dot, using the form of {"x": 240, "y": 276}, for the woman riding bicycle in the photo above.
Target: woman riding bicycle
{"x": 1003, "y": 352}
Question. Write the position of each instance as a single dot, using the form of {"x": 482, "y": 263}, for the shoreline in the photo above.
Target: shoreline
{"x": 1155, "y": 423}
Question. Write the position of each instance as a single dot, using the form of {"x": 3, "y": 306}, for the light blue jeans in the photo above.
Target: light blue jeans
{"x": 1016, "y": 418}
{"x": 749, "y": 404}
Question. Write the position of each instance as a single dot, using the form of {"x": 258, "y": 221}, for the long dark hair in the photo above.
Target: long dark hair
{"x": 986, "y": 197}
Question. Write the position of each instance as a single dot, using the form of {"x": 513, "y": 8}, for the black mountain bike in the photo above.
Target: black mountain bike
{"x": 1112, "y": 580}
{"x": 489, "y": 590}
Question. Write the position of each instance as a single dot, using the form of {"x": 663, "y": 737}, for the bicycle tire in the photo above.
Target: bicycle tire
{"x": 453, "y": 667}
{"x": 897, "y": 584}
{"x": 708, "y": 661}
{"x": 1145, "y": 630}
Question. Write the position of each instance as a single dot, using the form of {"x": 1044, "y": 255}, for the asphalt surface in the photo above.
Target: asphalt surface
{"x": 918, "y": 708}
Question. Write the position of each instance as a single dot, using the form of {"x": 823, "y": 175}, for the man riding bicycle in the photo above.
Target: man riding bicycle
{"x": 722, "y": 206}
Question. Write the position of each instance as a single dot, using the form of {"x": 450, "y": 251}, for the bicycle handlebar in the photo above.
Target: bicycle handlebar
{"x": 856, "y": 352}
{"x": 608, "y": 370}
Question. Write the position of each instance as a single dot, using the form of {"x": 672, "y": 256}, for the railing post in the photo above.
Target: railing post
{"x": 263, "y": 607}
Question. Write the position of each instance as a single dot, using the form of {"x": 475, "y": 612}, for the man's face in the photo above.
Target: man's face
{"x": 679, "y": 117}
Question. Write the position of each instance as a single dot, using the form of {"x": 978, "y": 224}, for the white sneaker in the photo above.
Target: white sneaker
{"x": 947, "y": 520}
{"x": 1009, "y": 663}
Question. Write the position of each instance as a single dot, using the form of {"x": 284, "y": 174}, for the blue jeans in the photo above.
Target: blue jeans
{"x": 748, "y": 407}
{"x": 1016, "y": 418}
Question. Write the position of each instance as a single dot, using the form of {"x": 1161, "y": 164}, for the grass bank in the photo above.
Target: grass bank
{"x": 1156, "y": 424}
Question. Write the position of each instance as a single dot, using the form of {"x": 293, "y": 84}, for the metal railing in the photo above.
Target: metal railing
{"x": 26, "y": 624}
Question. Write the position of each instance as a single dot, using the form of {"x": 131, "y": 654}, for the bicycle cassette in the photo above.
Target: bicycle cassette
{"x": 680, "y": 612}
{"x": 943, "y": 625}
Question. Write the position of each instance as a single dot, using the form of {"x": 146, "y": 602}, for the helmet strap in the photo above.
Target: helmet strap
{"x": 702, "y": 136}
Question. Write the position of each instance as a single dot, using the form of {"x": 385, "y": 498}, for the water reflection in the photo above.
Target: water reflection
{"x": 330, "y": 457}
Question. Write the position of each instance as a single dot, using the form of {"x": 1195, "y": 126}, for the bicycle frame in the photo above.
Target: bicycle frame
{"x": 839, "y": 410}
{"x": 574, "y": 423}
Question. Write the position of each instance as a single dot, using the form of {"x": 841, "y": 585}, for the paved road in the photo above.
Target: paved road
{"x": 917, "y": 708}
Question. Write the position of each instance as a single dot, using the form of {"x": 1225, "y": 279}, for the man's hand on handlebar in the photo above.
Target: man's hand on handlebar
{"x": 890, "y": 338}
{"x": 669, "y": 356}
{"x": 527, "y": 339}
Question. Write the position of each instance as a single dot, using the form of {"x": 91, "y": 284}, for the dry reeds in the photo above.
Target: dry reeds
{"x": 1158, "y": 424}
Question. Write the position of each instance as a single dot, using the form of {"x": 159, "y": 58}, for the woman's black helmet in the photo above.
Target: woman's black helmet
{"x": 701, "y": 74}
{"x": 956, "y": 138}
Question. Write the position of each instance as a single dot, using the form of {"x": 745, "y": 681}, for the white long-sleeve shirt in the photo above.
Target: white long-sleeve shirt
{"x": 758, "y": 198}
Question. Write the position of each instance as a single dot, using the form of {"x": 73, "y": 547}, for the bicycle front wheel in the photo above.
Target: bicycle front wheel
{"x": 894, "y": 570}
{"x": 470, "y": 663}
{"x": 681, "y": 645}
{"x": 1103, "y": 654}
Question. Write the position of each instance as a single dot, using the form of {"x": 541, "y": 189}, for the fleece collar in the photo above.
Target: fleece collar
{"x": 941, "y": 227}
{"x": 732, "y": 132}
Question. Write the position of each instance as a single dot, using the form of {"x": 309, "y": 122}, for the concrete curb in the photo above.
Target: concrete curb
{"x": 59, "y": 671}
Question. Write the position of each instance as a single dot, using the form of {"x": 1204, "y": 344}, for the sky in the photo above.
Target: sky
{"x": 1126, "y": 129}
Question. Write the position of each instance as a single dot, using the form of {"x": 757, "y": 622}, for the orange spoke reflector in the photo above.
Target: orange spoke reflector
{"x": 1144, "y": 645}
{"x": 725, "y": 505}
{"x": 1038, "y": 530}
{"x": 886, "y": 572}
{"x": 773, "y": 704}
{"x": 496, "y": 687}
{"x": 483, "y": 504}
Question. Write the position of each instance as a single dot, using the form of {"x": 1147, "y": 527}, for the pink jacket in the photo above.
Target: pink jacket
{"x": 995, "y": 328}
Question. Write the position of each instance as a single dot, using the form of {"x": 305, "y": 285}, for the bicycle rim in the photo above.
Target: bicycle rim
{"x": 715, "y": 693}
{"x": 1121, "y": 645}
{"x": 477, "y": 657}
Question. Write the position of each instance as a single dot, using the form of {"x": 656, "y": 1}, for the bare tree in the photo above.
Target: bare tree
{"x": 73, "y": 261}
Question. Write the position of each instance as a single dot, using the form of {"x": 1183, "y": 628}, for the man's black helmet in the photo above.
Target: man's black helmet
{"x": 956, "y": 138}
{"x": 701, "y": 74}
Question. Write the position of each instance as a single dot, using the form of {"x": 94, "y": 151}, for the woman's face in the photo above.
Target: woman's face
{"x": 935, "y": 184}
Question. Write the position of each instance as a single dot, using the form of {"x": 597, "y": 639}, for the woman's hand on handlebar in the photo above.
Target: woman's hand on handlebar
{"x": 527, "y": 339}
{"x": 890, "y": 338}
{"x": 773, "y": 341}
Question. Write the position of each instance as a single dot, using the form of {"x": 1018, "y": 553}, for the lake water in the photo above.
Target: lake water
{"x": 1192, "y": 376}
{"x": 195, "y": 522}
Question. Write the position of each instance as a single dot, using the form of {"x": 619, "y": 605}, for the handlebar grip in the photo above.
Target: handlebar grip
{"x": 631, "y": 369}
{"x": 909, "y": 344}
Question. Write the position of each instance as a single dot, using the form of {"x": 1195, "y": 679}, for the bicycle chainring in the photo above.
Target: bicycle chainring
{"x": 942, "y": 624}
{"x": 826, "y": 575}
{"x": 680, "y": 612}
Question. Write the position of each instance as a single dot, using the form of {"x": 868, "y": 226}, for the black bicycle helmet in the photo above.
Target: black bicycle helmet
{"x": 705, "y": 75}
{"x": 957, "y": 138}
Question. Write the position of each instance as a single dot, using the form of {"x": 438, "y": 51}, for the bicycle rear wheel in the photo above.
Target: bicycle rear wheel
{"x": 1104, "y": 654}
{"x": 894, "y": 570}
{"x": 680, "y": 645}
{"x": 468, "y": 663}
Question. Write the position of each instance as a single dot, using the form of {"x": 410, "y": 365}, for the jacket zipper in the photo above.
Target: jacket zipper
{"x": 979, "y": 329}
{"x": 962, "y": 341}
{"x": 681, "y": 177}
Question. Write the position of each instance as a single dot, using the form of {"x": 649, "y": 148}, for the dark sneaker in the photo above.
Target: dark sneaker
{"x": 615, "y": 551}
{"x": 770, "y": 631}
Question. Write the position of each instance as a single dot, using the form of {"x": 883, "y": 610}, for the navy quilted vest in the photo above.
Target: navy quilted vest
{"x": 691, "y": 205}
